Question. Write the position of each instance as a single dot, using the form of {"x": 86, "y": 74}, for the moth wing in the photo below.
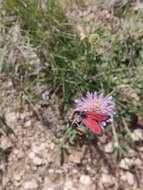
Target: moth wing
{"x": 92, "y": 125}
{"x": 97, "y": 116}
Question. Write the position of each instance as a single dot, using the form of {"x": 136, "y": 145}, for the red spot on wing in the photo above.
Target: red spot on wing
{"x": 92, "y": 125}
{"x": 97, "y": 116}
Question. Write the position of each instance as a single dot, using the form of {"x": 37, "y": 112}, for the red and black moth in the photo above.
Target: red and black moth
{"x": 92, "y": 120}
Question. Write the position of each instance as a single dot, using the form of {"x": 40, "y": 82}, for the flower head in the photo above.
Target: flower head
{"x": 45, "y": 95}
{"x": 95, "y": 102}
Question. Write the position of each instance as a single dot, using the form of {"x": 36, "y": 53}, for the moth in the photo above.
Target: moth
{"x": 92, "y": 120}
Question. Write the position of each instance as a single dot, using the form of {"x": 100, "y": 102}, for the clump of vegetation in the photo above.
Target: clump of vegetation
{"x": 108, "y": 61}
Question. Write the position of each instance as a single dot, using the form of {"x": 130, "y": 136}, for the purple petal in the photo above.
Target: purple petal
{"x": 89, "y": 95}
{"x": 100, "y": 96}
{"x": 77, "y": 101}
{"x": 108, "y": 98}
{"x": 45, "y": 95}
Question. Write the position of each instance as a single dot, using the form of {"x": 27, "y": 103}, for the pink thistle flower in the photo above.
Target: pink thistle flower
{"x": 96, "y": 103}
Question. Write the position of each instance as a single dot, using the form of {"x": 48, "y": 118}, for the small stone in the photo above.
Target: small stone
{"x": 36, "y": 149}
{"x": 131, "y": 153}
{"x": 126, "y": 163}
{"x": 128, "y": 177}
{"x": 28, "y": 124}
{"x": 26, "y": 143}
{"x": 76, "y": 157}
{"x": 30, "y": 185}
{"x": 52, "y": 146}
{"x": 85, "y": 180}
{"x": 68, "y": 185}
{"x": 18, "y": 176}
{"x": 32, "y": 155}
{"x": 49, "y": 184}
{"x": 140, "y": 149}
{"x": 38, "y": 161}
{"x": 20, "y": 154}
{"x": 11, "y": 118}
{"x": 5, "y": 143}
{"x": 104, "y": 170}
{"x": 109, "y": 147}
{"x": 138, "y": 162}
{"x": 137, "y": 135}
{"x": 107, "y": 180}
{"x": 25, "y": 115}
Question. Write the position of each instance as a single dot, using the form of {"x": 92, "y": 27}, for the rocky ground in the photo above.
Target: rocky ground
{"x": 30, "y": 158}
